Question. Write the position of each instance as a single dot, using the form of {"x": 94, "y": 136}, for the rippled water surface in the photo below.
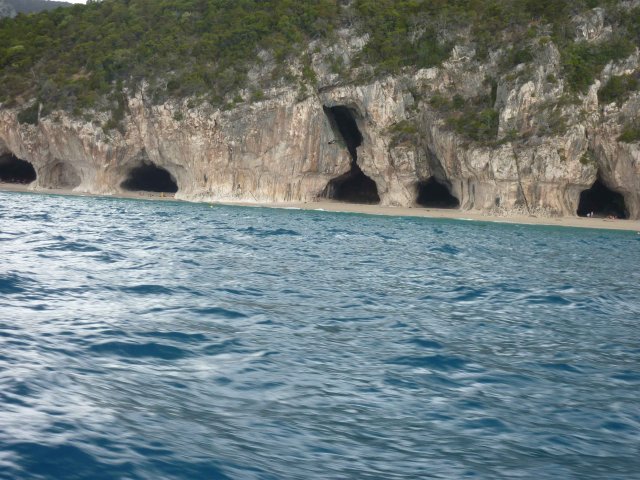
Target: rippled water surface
{"x": 170, "y": 340}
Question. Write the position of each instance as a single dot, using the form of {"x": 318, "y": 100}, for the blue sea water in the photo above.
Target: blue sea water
{"x": 150, "y": 340}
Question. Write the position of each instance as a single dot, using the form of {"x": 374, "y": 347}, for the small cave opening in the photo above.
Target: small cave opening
{"x": 600, "y": 201}
{"x": 434, "y": 194}
{"x": 14, "y": 170}
{"x": 150, "y": 178}
{"x": 353, "y": 186}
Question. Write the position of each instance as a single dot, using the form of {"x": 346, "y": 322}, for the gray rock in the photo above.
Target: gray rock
{"x": 285, "y": 148}
{"x": 6, "y": 10}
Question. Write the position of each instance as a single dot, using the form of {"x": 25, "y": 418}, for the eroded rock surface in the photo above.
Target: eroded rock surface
{"x": 285, "y": 148}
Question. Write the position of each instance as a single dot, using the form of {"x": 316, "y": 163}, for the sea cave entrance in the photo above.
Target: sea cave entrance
{"x": 601, "y": 201}
{"x": 353, "y": 186}
{"x": 14, "y": 170}
{"x": 150, "y": 178}
{"x": 434, "y": 194}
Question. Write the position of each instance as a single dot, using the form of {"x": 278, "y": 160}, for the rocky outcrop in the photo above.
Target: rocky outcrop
{"x": 285, "y": 148}
{"x": 276, "y": 150}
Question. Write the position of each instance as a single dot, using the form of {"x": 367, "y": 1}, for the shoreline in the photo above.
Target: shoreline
{"x": 341, "y": 207}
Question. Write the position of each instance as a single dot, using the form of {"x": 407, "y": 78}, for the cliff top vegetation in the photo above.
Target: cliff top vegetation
{"x": 85, "y": 56}
{"x": 33, "y": 6}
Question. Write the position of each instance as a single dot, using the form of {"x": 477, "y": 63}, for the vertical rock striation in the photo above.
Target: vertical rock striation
{"x": 285, "y": 148}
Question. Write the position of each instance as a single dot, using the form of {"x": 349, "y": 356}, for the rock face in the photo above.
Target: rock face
{"x": 285, "y": 148}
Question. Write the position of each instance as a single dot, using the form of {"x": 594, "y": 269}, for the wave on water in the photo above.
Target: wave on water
{"x": 146, "y": 340}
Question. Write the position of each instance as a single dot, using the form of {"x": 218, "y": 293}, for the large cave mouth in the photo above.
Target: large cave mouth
{"x": 433, "y": 194}
{"x": 601, "y": 201}
{"x": 150, "y": 178}
{"x": 353, "y": 187}
{"x": 14, "y": 170}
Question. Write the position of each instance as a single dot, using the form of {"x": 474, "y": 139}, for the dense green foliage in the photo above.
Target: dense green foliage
{"x": 583, "y": 61}
{"x": 30, "y": 114}
{"x": 475, "y": 118}
{"x": 72, "y": 56}
{"x": 618, "y": 87}
{"x": 405, "y": 131}
{"x": 630, "y": 133}
{"x": 85, "y": 56}
{"x": 390, "y": 25}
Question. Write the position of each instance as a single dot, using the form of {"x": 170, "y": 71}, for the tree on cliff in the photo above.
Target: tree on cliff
{"x": 82, "y": 57}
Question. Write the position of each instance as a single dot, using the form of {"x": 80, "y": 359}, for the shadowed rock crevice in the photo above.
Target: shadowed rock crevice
{"x": 14, "y": 170}
{"x": 433, "y": 194}
{"x": 602, "y": 202}
{"x": 353, "y": 186}
{"x": 150, "y": 178}
{"x": 60, "y": 175}
{"x": 344, "y": 124}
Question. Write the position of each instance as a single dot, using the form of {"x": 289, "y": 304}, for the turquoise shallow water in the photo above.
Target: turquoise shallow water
{"x": 170, "y": 340}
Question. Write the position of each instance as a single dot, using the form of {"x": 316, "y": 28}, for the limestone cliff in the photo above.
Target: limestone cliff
{"x": 292, "y": 147}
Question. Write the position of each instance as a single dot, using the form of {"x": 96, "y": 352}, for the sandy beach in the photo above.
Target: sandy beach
{"x": 331, "y": 206}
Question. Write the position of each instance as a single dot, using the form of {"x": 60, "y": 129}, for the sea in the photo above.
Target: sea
{"x": 169, "y": 340}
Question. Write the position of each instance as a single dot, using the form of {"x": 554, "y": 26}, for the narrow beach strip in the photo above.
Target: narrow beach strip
{"x": 341, "y": 207}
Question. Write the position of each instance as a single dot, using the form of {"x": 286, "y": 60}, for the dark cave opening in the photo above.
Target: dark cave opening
{"x": 353, "y": 186}
{"x": 150, "y": 178}
{"x": 601, "y": 201}
{"x": 342, "y": 119}
{"x": 434, "y": 194}
{"x": 14, "y": 170}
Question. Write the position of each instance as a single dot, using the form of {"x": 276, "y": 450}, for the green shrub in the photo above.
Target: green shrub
{"x": 588, "y": 158}
{"x": 337, "y": 65}
{"x": 618, "y": 88}
{"x": 549, "y": 10}
{"x": 405, "y": 131}
{"x": 207, "y": 46}
{"x": 481, "y": 126}
{"x": 583, "y": 61}
{"x": 458, "y": 102}
{"x": 516, "y": 56}
{"x": 110, "y": 124}
{"x": 439, "y": 102}
{"x": 30, "y": 114}
{"x": 74, "y": 57}
{"x": 308, "y": 73}
{"x": 257, "y": 95}
{"x": 472, "y": 118}
{"x": 630, "y": 134}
